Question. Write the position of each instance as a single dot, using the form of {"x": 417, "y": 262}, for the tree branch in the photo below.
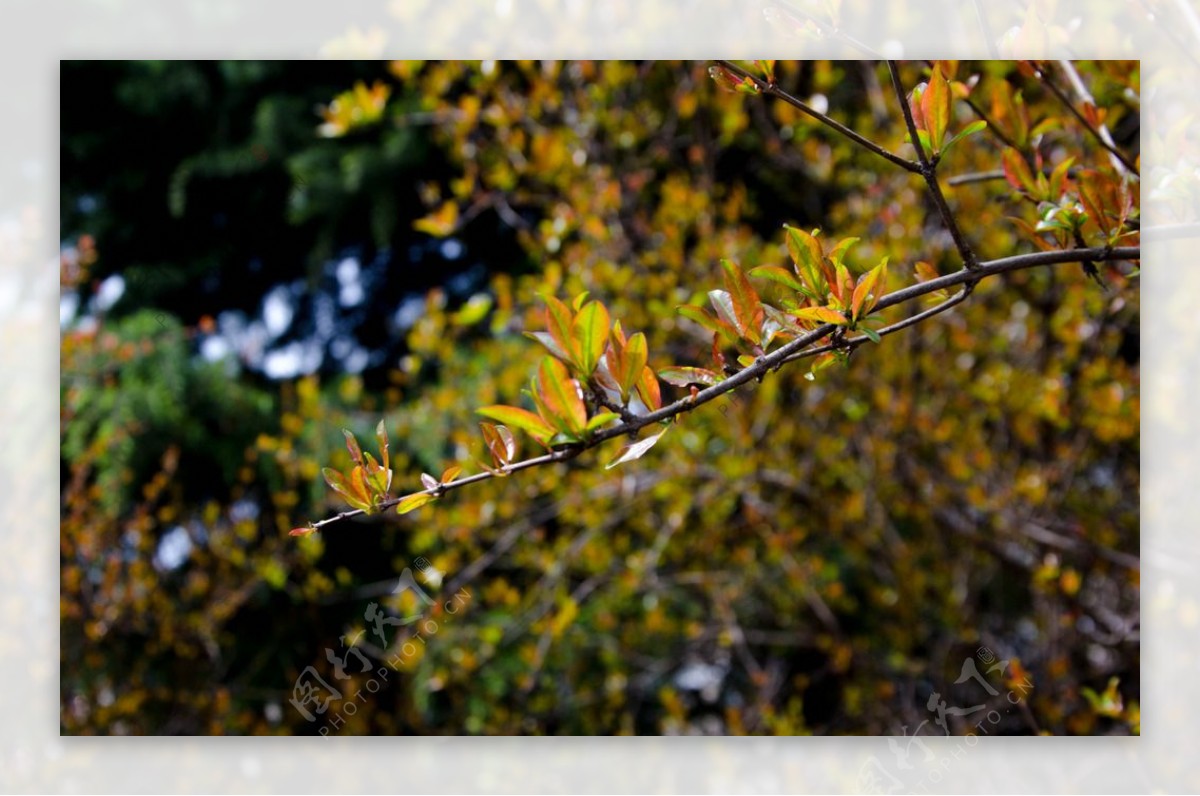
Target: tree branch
{"x": 771, "y": 89}
{"x": 928, "y": 170}
{"x": 795, "y": 349}
{"x": 1102, "y": 136}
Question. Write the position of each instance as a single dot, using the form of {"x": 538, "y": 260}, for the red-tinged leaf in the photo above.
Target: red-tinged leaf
{"x": 866, "y": 292}
{"x": 450, "y": 474}
{"x": 519, "y": 418}
{"x": 500, "y": 442}
{"x": 822, "y": 314}
{"x": 381, "y": 436}
{"x": 686, "y": 376}
{"x": 413, "y": 502}
{"x": 1033, "y": 234}
{"x": 429, "y": 481}
{"x": 936, "y": 105}
{"x": 746, "y": 305}
{"x": 780, "y": 275}
{"x": 649, "y": 390}
{"x": 340, "y": 484}
{"x": 635, "y": 450}
{"x": 360, "y": 486}
{"x": 1017, "y": 172}
{"x": 559, "y": 319}
{"x": 551, "y": 344}
{"x": 927, "y": 273}
{"x": 633, "y": 361}
{"x": 590, "y": 332}
{"x": 600, "y": 419}
{"x": 917, "y": 107}
{"x": 724, "y": 78}
{"x": 560, "y": 396}
{"x": 352, "y": 446}
{"x": 301, "y": 531}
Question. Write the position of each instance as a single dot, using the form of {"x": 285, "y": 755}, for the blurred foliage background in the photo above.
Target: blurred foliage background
{"x": 256, "y": 255}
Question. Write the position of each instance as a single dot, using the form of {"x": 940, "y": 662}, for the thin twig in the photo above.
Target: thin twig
{"x": 773, "y": 90}
{"x": 1102, "y": 138}
{"x": 929, "y": 172}
{"x": 795, "y": 349}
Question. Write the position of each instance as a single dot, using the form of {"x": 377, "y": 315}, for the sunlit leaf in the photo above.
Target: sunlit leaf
{"x": 746, "y": 305}
{"x": 936, "y": 106}
{"x": 822, "y": 314}
{"x": 520, "y": 418}
{"x": 560, "y": 396}
{"x": 413, "y": 502}
{"x": 352, "y": 446}
{"x": 781, "y": 275}
{"x": 590, "y": 331}
{"x": 685, "y": 376}
{"x": 450, "y": 474}
{"x": 649, "y": 389}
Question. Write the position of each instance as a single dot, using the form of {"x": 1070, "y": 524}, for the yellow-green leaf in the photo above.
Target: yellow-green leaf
{"x": 560, "y": 396}
{"x": 412, "y": 502}
{"x": 936, "y": 104}
{"x": 590, "y": 332}
{"x": 520, "y": 418}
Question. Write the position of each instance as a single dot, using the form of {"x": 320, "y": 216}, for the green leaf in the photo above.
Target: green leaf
{"x": 590, "y": 330}
{"x": 780, "y": 275}
{"x": 381, "y": 436}
{"x": 806, "y": 253}
{"x": 705, "y": 319}
{"x": 635, "y": 450}
{"x": 413, "y": 502}
{"x": 599, "y": 419}
{"x": 632, "y": 361}
{"x": 871, "y": 334}
{"x": 971, "y": 129}
{"x": 520, "y": 418}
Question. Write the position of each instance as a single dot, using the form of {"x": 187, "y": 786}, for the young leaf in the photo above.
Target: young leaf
{"x": 649, "y": 390}
{"x": 871, "y": 334}
{"x": 806, "y": 253}
{"x": 520, "y": 418}
{"x": 301, "y": 531}
{"x": 746, "y": 305}
{"x": 559, "y": 319}
{"x": 415, "y": 501}
{"x": 633, "y": 361}
{"x": 548, "y": 340}
{"x": 500, "y": 442}
{"x": 971, "y": 129}
{"x": 381, "y": 436}
{"x": 599, "y": 419}
{"x": 1017, "y": 172}
{"x": 822, "y": 314}
{"x": 560, "y": 396}
{"x": 780, "y": 275}
{"x": 450, "y": 474}
{"x": 719, "y": 327}
{"x": 685, "y": 376}
{"x": 635, "y": 450}
{"x": 590, "y": 332}
{"x": 352, "y": 446}
{"x": 341, "y": 485}
{"x": 429, "y": 481}
{"x": 868, "y": 285}
{"x": 936, "y": 106}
